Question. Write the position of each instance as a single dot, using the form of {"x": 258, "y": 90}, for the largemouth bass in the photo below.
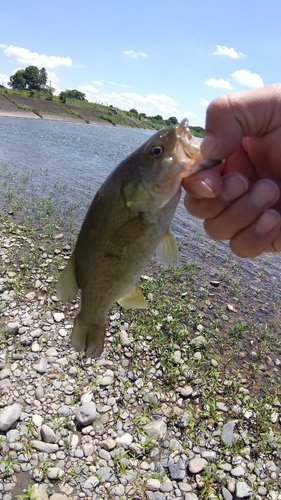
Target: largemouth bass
{"x": 128, "y": 220}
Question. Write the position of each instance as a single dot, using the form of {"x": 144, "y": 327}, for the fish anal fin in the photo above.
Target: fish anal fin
{"x": 67, "y": 286}
{"x": 134, "y": 299}
{"x": 167, "y": 250}
{"x": 88, "y": 337}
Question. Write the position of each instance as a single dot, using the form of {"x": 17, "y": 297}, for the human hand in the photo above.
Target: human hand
{"x": 240, "y": 199}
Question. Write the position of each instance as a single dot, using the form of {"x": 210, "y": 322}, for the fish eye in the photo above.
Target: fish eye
{"x": 156, "y": 151}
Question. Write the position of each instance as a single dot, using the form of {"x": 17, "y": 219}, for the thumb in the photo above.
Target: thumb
{"x": 231, "y": 117}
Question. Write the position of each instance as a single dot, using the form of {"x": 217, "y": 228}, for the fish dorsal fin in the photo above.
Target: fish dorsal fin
{"x": 167, "y": 250}
{"x": 134, "y": 299}
{"x": 67, "y": 286}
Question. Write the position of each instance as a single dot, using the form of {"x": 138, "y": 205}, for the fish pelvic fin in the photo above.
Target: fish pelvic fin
{"x": 67, "y": 286}
{"x": 88, "y": 337}
{"x": 134, "y": 299}
{"x": 167, "y": 250}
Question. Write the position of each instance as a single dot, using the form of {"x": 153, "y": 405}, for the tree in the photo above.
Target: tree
{"x": 158, "y": 118}
{"x": 72, "y": 94}
{"x": 197, "y": 131}
{"x": 172, "y": 120}
{"x": 30, "y": 78}
{"x": 43, "y": 77}
{"x": 17, "y": 81}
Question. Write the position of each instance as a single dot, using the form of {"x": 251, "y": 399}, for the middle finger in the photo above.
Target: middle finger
{"x": 244, "y": 211}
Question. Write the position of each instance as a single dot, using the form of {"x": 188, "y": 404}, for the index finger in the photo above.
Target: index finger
{"x": 203, "y": 184}
{"x": 233, "y": 116}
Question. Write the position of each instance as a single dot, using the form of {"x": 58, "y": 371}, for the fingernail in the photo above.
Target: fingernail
{"x": 200, "y": 188}
{"x": 234, "y": 185}
{"x": 208, "y": 145}
{"x": 264, "y": 193}
{"x": 267, "y": 221}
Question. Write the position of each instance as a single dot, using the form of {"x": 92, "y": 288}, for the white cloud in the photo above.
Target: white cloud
{"x": 133, "y": 54}
{"x": 4, "y": 79}
{"x": 22, "y": 55}
{"x": 218, "y": 83}
{"x": 245, "y": 77}
{"x": 53, "y": 81}
{"x": 222, "y": 50}
{"x": 97, "y": 82}
{"x": 118, "y": 85}
{"x": 204, "y": 102}
{"x": 90, "y": 91}
{"x": 151, "y": 104}
{"x": 189, "y": 114}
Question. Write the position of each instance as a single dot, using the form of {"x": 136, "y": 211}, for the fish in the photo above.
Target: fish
{"x": 128, "y": 220}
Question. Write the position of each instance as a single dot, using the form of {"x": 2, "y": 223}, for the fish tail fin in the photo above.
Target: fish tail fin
{"x": 67, "y": 286}
{"x": 88, "y": 337}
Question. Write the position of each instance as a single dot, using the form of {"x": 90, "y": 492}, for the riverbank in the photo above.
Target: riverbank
{"x": 21, "y": 113}
{"x": 20, "y": 104}
{"x": 24, "y": 107}
{"x": 185, "y": 400}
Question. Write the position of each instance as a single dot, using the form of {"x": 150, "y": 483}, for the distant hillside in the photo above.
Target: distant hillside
{"x": 45, "y": 107}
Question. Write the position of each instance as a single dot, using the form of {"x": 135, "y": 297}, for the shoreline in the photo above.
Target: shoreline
{"x": 22, "y": 113}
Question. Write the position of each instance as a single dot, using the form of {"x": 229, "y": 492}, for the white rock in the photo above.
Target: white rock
{"x": 55, "y": 473}
{"x": 48, "y": 435}
{"x": 153, "y": 484}
{"x": 156, "y": 429}
{"x": 74, "y": 440}
{"x": 39, "y": 392}
{"x": 12, "y": 328}
{"x": 86, "y": 413}
{"x": 52, "y": 353}
{"x": 5, "y": 373}
{"x": 37, "y": 420}
{"x": 88, "y": 396}
{"x": 243, "y": 490}
{"x": 58, "y": 317}
{"x": 88, "y": 449}
{"x": 91, "y": 483}
{"x": 45, "y": 447}
{"x": 35, "y": 347}
{"x": 38, "y": 492}
{"x": 59, "y": 496}
{"x": 9, "y": 416}
{"x": 125, "y": 441}
{"x": 42, "y": 366}
{"x": 197, "y": 464}
{"x": 108, "y": 444}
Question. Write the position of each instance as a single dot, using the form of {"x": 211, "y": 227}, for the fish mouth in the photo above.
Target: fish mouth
{"x": 194, "y": 161}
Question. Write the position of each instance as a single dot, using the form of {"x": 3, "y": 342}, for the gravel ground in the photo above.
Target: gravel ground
{"x": 183, "y": 404}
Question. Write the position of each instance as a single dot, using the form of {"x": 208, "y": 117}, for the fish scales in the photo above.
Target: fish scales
{"x": 128, "y": 219}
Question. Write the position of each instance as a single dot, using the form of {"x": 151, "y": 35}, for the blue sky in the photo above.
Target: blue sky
{"x": 168, "y": 57}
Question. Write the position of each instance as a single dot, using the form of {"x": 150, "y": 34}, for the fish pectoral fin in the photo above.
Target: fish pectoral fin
{"x": 133, "y": 300}
{"x": 136, "y": 196}
{"x": 167, "y": 250}
{"x": 67, "y": 286}
{"x": 88, "y": 337}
